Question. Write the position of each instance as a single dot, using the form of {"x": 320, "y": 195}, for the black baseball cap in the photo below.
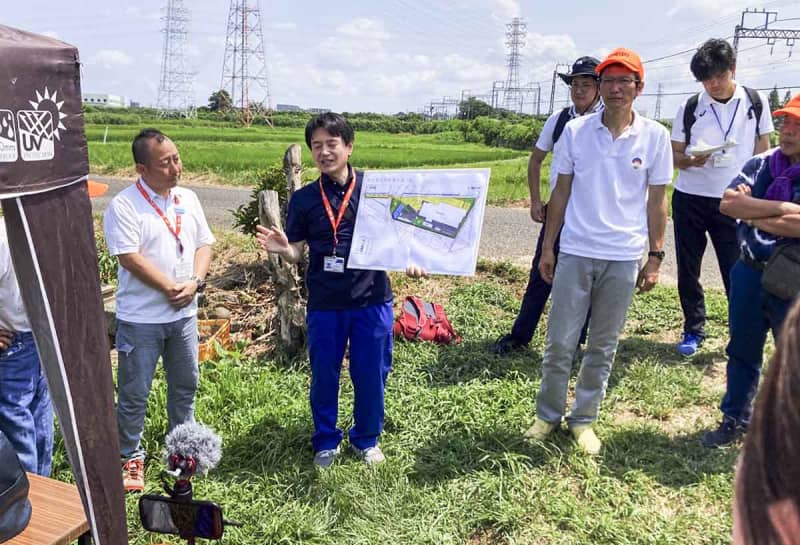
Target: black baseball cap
{"x": 584, "y": 66}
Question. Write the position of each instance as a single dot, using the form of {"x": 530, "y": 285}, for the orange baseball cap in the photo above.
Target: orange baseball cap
{"x": 626, "y": 57}
{"x": 96, "y": 188}
{"x": 792, "y": 108}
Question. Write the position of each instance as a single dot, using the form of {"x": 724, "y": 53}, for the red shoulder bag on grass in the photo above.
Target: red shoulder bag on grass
{"x": 424, "y": 321}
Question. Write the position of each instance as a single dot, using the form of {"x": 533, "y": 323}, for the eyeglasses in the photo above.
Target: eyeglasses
{"x": 624, "y": 81}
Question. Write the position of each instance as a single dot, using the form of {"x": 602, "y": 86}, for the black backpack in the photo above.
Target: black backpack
{"x": 15, "y": 508}
{"x": 561, "y": 122}
{"x": 756, "y": 108}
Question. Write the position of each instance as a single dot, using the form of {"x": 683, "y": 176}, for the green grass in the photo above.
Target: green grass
{"x": 235, "y": 155}
{"x": 458, "y": 470}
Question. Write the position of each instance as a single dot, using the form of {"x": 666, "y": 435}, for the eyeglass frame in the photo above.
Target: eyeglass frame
{"x": 624, "y": 81}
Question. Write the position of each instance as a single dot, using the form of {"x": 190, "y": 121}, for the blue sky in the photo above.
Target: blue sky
{"x": 398, "y": 55}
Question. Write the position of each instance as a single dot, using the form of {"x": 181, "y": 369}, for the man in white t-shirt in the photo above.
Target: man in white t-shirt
{"x": 585, "y": 95}
{"x": 611, "y": 200}
{"x": 723, "y": 113}
{"x": 160, "y": 235}
{"x": 26, "y": 412}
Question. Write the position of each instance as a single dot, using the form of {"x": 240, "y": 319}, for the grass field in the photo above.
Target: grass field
{"x": 234, "y": 155}
{"x": 458, "y": 470}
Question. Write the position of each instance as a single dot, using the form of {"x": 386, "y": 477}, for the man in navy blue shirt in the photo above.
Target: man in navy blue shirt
{"x": 343, "y": 304}
{"x": 765, "y": 198}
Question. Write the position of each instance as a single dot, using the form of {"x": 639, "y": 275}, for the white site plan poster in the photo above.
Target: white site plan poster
{"x": 430, "y": 218}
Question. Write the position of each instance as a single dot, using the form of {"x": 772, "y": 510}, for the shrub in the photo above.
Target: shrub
{"x": 246, "y": 216}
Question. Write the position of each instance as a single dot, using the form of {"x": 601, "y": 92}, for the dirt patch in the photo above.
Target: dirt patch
{"x": 239, "y": 289}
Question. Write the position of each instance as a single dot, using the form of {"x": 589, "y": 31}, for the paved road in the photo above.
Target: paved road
{"x": 508, "y": 233}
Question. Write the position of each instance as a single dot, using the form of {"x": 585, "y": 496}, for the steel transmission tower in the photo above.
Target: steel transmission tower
{"x": 660, "y": 94}
{"x": 244, "y": 70}
{"x": 176, "y": 86}
{"x": 515, "y": 41}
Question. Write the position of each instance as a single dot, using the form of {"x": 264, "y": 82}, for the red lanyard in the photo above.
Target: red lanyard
{"x": 342, "y": 207}
{"x": 177, "y": 230}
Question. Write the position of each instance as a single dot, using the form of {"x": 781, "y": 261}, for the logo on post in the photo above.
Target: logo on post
{"x": 36, "y": 130}
{"x": 8, "y": 137}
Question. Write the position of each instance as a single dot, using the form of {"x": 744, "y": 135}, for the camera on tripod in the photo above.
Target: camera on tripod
{"x": 191, "y": 448}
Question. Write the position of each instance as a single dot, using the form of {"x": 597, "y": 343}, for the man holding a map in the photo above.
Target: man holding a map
{"x": 713, "y": 134}
{"x": 344, "y": 304}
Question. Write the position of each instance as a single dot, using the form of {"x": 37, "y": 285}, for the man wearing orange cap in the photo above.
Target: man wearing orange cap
{"x": 610, "y": 199}
{"x": 764, "y": 197}
{"x": 26, "y": 413}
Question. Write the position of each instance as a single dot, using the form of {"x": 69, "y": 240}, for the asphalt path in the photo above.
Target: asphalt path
{"x": 508, "y": 233}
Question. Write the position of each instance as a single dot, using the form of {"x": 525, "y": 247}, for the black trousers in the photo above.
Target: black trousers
{"x": 536, "y": 294}
{"x": 693, "y": 216}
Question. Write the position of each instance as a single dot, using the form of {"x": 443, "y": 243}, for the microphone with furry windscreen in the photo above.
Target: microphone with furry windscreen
{"x": 191, "y": 448}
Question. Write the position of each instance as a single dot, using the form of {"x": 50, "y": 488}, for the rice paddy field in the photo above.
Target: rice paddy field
{"x": 235, "y": 155}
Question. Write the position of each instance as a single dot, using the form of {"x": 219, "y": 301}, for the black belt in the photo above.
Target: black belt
{"x": 747, "y": 260}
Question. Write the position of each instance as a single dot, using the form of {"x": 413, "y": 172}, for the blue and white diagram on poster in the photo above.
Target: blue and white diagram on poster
{"x": 429, "y": 218}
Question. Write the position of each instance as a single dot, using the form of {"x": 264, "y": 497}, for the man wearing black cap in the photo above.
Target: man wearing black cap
{"x": 585, "y": 96}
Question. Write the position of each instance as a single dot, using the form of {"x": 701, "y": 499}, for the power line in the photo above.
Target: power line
{"x": 515, "y": 41}
{"x": 176, "y": 84}
{"x": 244, "y": 68}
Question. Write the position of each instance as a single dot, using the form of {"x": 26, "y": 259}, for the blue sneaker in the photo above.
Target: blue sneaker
{"x": 690, "y": 344}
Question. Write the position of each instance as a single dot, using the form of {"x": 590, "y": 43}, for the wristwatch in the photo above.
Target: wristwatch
{"x": 658, "y": 254}
{"x": 201, "y": 284}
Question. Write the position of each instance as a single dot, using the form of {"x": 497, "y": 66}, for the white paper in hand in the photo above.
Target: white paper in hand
{"x": 701, "y": 148}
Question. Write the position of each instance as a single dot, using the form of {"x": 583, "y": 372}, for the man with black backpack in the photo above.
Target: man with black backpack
{"x": 585, "y": 96}
{"x": 714, "y": 133}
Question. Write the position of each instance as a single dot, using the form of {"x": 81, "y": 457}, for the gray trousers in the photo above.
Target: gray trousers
{"x": 578, "y": 283}
{"x": 139, "y": 347}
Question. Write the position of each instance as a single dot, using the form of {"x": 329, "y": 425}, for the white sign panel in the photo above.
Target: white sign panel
{"x": 429, "y": 218}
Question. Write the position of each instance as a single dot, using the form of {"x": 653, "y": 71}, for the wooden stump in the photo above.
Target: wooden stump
{"x": 288, "y": 278}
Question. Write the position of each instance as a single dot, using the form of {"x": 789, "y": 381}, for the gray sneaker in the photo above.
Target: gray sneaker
{"x": 371, "y": 455}
{"x": 325, "y": 458}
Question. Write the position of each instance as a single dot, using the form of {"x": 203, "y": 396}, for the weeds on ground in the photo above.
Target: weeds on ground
{"x": 458, "y": 470}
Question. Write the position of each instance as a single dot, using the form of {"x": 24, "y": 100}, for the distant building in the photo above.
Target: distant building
{"x": 105, "y": 100}
{"x": 319, "y": 110}
{"x": 288, "y": 108}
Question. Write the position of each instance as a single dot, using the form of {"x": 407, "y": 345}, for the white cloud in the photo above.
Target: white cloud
{"x": 110, "y": 58}
{"x": 505, "y": 9}
{"x": 364, "y": 28}
{"x": 51, "y": 34}
{"x": 705, "y": 8}
{"x": 285, "y": 25}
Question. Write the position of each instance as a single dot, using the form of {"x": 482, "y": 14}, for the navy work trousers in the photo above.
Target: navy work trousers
{"x": 751, "y": 313}
{"x": 369, "y": 331}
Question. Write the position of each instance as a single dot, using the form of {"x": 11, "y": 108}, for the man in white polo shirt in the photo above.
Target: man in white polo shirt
{"x": 162, "y": 239}
{"x": 611, "y": 200}
{"x": 585, "y": 96}
{"x": 724, "y": 113}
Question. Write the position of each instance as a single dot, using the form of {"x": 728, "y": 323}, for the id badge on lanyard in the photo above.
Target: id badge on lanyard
{"x": 184, "y": 268}
{"x": 334, "y": 263}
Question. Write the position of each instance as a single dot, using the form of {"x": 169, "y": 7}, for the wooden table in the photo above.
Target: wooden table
{"x": 57, "y": 517}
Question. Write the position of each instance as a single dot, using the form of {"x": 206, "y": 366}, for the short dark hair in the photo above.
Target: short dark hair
{"x": 141, "y": 144}
{"x": 332, "y": 122}
{"x": 713, "y": 57}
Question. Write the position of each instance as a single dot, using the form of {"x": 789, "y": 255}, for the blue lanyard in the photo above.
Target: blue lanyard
{"x": 719, "y": 123}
